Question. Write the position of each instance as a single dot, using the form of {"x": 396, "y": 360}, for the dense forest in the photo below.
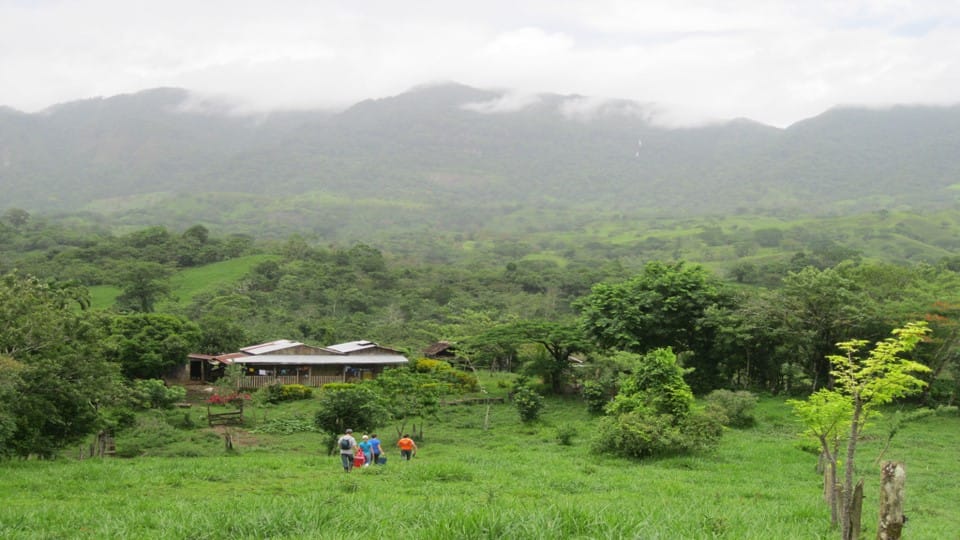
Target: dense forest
{"x": 80, "y": 302}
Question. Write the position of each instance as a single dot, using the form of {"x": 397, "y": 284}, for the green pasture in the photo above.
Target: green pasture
{"x": 190, "y": 282}
{"x": 507, "y": 481}
{"x": 187, "y": 283}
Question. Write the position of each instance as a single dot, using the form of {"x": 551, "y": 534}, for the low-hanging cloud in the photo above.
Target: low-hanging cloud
{"x": 775, "y": 61}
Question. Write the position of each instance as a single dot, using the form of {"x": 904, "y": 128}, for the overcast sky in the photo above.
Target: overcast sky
{"x": 773, "y": 61}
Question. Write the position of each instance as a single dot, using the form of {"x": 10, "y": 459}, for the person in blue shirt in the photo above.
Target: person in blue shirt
{"x": 367, "y": 450}
{"x": 375, "y": 447}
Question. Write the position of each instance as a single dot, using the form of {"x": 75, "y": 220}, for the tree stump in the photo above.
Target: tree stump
{"x": 893, "y": 478}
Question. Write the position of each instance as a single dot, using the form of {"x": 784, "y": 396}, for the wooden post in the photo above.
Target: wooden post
{"x": 856, "y": 511}
{"x": 893, "y": 478}
{"x": 830, "y": 492}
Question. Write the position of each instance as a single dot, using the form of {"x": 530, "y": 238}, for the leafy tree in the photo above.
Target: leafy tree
{"x": 557, "y": 339}
{"x": 16, "y": 217}
{"x": 664, "y": 306}
{"x": 142, "y": 284}
{"x": 356, "y": 406}
{"x": 198, "y": 233}
{"x": 816, "y": 309}
{"x": 61, "y": 379}
{"x": 861, "y": 384}
{"x": 148, "y": 345}
{"x": 408, "y": 395}
{"x": 220, "y": 334}
{"x": 10, "y": 382}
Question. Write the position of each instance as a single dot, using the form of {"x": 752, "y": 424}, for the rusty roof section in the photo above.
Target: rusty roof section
{"x": 437, "y": 348}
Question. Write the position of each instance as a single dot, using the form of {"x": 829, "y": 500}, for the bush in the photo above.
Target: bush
{"x": 738, "y": 407}
{"x": 595, "y": 395}
{"x": 429, "y": 365}
{"x": 528, "y": 403}
{"x": 155, "y": 394}
{"x": 653, "y": 414}
{"x": 353, "y": 406}
{"x": 443, "y": 371}
{"x": 464, "y": 382}
{"x": 641, "y": 434}
{"x": 565, "y": 434}
{"x": 275, "y": 393}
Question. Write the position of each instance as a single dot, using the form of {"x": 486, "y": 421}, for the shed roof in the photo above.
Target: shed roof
{"x": 351, "y": 346}
{"x": 438, "y": 348}
{"x": 271, "y": 346}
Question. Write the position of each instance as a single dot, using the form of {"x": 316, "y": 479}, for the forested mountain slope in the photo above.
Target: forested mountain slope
{"x": 466, "y": 149}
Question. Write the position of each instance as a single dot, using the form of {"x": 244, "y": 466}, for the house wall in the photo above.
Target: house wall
{"x": 326, "y": 371}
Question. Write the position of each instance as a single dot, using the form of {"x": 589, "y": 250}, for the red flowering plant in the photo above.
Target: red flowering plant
{"x": 235, "y": 399}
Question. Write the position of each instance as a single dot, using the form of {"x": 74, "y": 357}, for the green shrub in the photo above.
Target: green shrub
{"x": 429, "y": 365}
{"x": 335, "y": 386}
{"x": 653, "y": 414}
{"x": 595, "y": 395}
{"x": 565, "y": 434}
{"x": 641, "y": 434}
{"x": 461, "y": 381}
{"x": 271, "y": 393}
{"x": 738, "y": 407}
{"x": 355, "y": 406}
{"x": 155, "y": 394}
{"x": 276, "y": 393}
{"x": 293, "y": 392}
{"x": 528, "y": 403}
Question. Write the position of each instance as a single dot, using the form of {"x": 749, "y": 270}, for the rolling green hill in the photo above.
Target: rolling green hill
{"x": 187, "y": 283}
{"x": 453, "y": 158}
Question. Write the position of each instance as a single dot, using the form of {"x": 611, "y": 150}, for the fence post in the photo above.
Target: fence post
{"x": 893, "y": 478}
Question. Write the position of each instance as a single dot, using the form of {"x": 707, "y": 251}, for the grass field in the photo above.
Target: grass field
{"x": 188, "y": 283}
{"x": 509, "y": 481}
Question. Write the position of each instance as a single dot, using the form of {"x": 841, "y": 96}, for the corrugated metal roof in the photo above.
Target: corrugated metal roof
{"x": 352, "y": 346}
{"x": 272, "y": 346}
{"x": 321, "y": 360}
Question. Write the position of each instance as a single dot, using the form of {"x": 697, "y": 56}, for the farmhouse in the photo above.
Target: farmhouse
{"x": 292, "y": 362}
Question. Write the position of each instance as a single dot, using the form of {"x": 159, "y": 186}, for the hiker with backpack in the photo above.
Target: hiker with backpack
{"x": 348, "y": 447}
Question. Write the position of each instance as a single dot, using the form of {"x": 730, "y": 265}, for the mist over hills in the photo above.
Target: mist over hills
{"x": 465, "y": 150}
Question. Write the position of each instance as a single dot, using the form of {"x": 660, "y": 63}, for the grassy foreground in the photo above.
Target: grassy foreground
{"x": 512, "y": 480}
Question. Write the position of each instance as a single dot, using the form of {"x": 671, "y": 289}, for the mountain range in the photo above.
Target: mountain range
{"x": 464, "y": 150}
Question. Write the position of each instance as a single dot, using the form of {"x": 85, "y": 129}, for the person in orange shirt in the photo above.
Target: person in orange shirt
{"x": 408, "y": 448}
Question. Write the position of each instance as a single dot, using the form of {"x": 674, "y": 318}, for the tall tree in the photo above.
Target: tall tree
{"x": 665, "y": 306}
{"x": 143, "y": 284}
{"x": 60, "y": 378}
{"x": 559, "y": 340}
{"x": 148, "y": 345}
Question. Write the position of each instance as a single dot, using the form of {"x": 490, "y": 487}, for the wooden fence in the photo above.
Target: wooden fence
{"x": 259, "y": 381}
{"x": 228, "y": 417}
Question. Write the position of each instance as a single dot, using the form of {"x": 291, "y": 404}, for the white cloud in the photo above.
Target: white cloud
{"x": 508, "y": 102}
{"x": 775, "y": 61}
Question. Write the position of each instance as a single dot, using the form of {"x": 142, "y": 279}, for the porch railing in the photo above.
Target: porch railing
{"x": 259, "y": 381}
